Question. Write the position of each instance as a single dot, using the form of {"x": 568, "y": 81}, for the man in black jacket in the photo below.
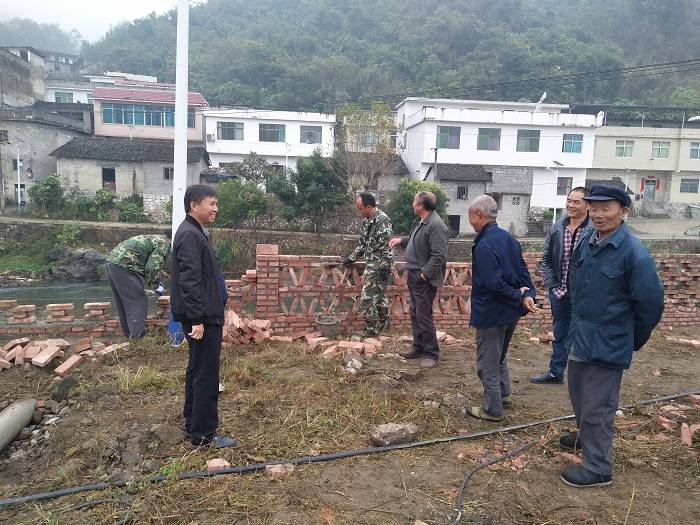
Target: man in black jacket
{"x": 563, "y": 237}
{"x": 197, "y": 301}
{"x": 426, "y": 261}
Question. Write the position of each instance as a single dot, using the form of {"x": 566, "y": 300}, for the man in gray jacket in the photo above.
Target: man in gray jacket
{"x": 426, "y": 261}
{"x": 563, "y": 237}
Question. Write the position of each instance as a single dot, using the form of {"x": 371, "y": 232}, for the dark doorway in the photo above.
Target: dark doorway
{"x": 109, "y": 179}
{"x": 454, "y": 225}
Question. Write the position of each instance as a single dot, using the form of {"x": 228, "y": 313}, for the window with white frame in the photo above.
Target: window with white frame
{"x": 564, "y": 185}
{"x": 689, "y": 185}
{"x": 229, "y": 130}
{"x": 660, "y": 149}
{"x": 448, "y": 137}
{"x": 516, "y": 200}
{"x": 168, "y": 173}
{"x": 695, "y": 150}
{"x": 64, "y": 97}
{"x": 310, "y": 135}
{"x": 528, "y": 140}
{"x": 489, "y": 139}
{"x": 462, "y": 193}
{"x": 573, "y": 143}
{"x": 271, "y": 132}
{"x": 624, "y": 148}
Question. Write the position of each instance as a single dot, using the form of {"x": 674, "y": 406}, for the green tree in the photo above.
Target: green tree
{"x": 252, "y": 168}
{"x": 239, "y": 200}
{"x": 400, "y": 209}
{"x": 321, "y": 187}
{"x": 47, "y": 195}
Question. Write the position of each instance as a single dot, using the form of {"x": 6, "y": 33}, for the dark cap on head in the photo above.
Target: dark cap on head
{"x": 601, "y": 192}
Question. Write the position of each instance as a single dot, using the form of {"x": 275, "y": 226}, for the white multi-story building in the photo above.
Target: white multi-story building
{"x": 523, "y": 154}
{"x": 280, "y": 137}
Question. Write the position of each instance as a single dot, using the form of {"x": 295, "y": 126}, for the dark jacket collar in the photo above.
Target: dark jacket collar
{"x": 194, "y": 221}
{"x": 617, "y": 237}
{"x": 485, "y": 230}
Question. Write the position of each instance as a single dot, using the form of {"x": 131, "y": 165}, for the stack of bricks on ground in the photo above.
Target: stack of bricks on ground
{"x": 369, "y": 347}
{"x": 26, "y": 353}
{"x": 27, "y": 319}
{"x": 242, "y": 331}
{"x": 675, "y": 416}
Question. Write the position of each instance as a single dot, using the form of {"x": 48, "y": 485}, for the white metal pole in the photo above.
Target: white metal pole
{"x": 181, "y": 90}
{"x": 180, "y": 153}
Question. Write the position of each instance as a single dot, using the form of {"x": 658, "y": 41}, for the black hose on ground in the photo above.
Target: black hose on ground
{"x": 313, "y": 459}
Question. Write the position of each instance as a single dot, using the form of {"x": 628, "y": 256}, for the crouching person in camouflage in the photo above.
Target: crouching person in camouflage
{"x": 374, "y": 247}
{"x": 131, "y": 266}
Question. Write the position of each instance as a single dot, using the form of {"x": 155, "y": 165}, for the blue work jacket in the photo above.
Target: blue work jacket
{"x": 616, "y": 299}
{"x": 498, "y": 273}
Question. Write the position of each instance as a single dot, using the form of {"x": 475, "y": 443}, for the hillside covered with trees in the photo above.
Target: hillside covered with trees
{"x": 315, "y": 54}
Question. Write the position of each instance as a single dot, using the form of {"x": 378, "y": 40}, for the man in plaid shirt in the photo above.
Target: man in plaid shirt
{"x": 563, "y": 237}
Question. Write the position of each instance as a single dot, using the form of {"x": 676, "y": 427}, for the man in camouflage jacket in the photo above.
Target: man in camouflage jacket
{"x": 374, "y": 247}
{"x": 133, "y": 265}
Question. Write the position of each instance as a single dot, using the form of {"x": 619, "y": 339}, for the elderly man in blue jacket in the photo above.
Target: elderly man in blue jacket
{"x": 502, "y": 292}
{"x": 617, "y": 299}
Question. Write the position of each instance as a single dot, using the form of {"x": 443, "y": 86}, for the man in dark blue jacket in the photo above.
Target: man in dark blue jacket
{"x": 563, "y": 237}
{"x": 617, "y": 299}
{"x": 502, "y": 292}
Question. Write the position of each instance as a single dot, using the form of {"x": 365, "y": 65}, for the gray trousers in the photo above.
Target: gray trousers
{"x": 595, "y": 391}
{"x": 492, "y": 367}
{"x": 129, "y": 299}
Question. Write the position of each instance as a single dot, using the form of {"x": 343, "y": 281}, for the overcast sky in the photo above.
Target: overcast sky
{"x": 92, "y": 18}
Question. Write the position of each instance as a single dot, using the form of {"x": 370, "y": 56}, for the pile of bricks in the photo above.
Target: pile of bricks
{"x": 241, "y": 331}
{"x": 163, "y": 304}
{"x": 27, "y": 353}
{"x": 675, "y": 416}
{"x": 96, "y": 311}
{"x": 59, "y": 313}
{"x": 22, "y": 314}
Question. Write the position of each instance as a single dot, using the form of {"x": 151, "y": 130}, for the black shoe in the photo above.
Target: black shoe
{"x": 547, "y": 377}
{"x": 570, "y": 441}
{"x": 412, "y": 354}
{"x": 582, "y": 478}
{"x": 216, "y": 442}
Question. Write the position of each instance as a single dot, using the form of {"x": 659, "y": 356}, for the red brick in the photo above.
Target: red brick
{"x": 5, "y": 364}
{"x": 6, "y": 304}
{"x": 68, "y": 365}
{"x": 102, "y": 306}
{"x": 312, "y": 335}
{"x": 63, "y": 307}
{"x": 23, "y": 341}
{"x": 217, "y": 464}
{"x": 351, "y": 345}
{"x": 267, "y": 249}
{"x": 694, "y": 398}
{"x": 24, "y": 309}
{"x": 686, "y": 435}
{"x": 46, "y": 356}
{"x": 281, "y": 338}
{"x": 314, "y": 343}
{"x": 665, "y": 423}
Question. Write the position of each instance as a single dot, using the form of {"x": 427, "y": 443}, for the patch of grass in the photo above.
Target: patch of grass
{"x": 19, "y": 262}
{"x": 145, "y": 379}
{"x": 171, "y": 468}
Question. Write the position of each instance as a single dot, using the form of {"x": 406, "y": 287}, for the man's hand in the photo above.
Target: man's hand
{"x": 523, "y": 290}
{"x": 422, "y": 276}
{"x": 160, "y": 289}
{"x": 197, "y": 332}
{"x": 393, "y": 242}
{"x": 348, "y": 262}
{"x": 529, "y": 304}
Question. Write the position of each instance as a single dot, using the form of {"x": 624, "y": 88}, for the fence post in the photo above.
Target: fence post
{"x": 267, "y": 267}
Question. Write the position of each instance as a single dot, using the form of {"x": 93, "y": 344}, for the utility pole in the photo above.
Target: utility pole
{"x": 435, "y": 173}
{"x": 180, "y": 153}
{"x": 181, "y": 90}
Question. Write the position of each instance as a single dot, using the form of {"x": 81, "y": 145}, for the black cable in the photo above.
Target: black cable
{"x": 313, "y": 459}
{"x": 463, "y": 486}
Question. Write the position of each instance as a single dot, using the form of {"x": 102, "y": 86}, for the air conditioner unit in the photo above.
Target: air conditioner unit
{"x": 211, "y": 137}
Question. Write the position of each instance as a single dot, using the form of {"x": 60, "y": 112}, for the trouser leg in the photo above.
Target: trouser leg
{"x": 561, "y": 317}
{"x": 423, "y": 296}
{"x": 503, "y": 368}
{"x": 134, "y": 302}
{"x": 599, "y": 395}
{"x": 489, "y": 348}
{"x": 202, "y": 383}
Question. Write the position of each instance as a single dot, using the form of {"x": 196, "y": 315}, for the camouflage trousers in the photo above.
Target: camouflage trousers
{"x": 374, "y": 303}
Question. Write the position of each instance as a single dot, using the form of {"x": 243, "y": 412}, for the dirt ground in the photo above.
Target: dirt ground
{"x": 282, "y": 403}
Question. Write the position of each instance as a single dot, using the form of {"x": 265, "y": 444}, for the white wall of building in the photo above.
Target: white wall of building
{"x": 82, "y": 95}
{"x": 420, "y": 119}
{"x": 228, "y": 150}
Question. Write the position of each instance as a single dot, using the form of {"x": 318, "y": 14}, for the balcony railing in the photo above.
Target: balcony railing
{"x": 46, "y": 117}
